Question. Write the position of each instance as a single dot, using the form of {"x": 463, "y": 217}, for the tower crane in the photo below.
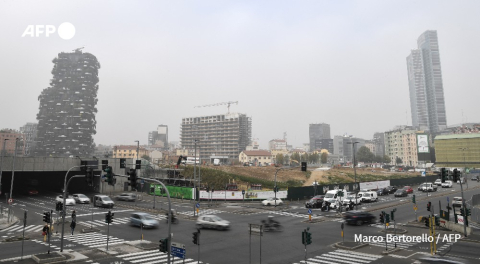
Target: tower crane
{"x": 217, "y": 104}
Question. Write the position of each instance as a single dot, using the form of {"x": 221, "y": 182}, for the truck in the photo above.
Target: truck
{"x": 216, "y": 162}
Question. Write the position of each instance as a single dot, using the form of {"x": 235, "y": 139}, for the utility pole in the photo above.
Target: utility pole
{"x": 138, "y": 147}
{"x": 354, "y": 169}
{"x": 13, "y": 167}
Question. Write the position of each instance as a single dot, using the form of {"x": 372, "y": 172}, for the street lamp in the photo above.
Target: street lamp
{"x": 354, "y": 169}
{"x": 138, "y": 147}
{"x": 1, "y": 163}
{"x": 464, "y": 164}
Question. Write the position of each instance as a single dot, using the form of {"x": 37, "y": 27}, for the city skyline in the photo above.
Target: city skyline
{"x": 341, "y": 63}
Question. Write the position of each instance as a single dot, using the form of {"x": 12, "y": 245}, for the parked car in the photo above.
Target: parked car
{"x": 457, "y": 202}
{"x": 391, "y": 189}
{"x": 447, "y": 184}
{"x": 271, "y": 201}
{"x": 68, "y": 201}
{"x": 408, "y": 189}
{"x": 140, "y": 218}
{"x": 212, "y": 221}
{"x": 102, "y": 201}
{"x": 429, "y": 187}
{"x": 369, "y": 196}
{"x": 126, "y": 197}
{"x": 420, "y": 187}
{"x": 358, "y": 217}
{"x": 315, "y": 202}
{"x": 382, "y": 191}
{"x": 81, "y": 198}
{"x": 438, "y": 182}
{"x": 401, "y": 193}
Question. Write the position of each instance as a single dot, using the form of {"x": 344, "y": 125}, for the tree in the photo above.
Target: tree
{"x": 398, "y": 160}
{"x": 279, "y": 159}
{"x": 295, "y": 156}
{"x": 378, "y": 159}
{"x": 365, "y": 155}
{"x": 386, "y": 159}
{"x": 324, "y": 157}
{"x": 146, "y": 157}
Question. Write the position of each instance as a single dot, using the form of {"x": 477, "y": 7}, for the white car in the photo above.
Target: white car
{"x": 438, "y": 182}
{"x": 68, "y": 201}
{"x": 457, "y": 202}
{"x": 212, "y": 221}
{"x": 447, "y": 184}
{"x": 271, "y": 201}
{"x": 351, "y": 197}
{"x": 81, "y": 198}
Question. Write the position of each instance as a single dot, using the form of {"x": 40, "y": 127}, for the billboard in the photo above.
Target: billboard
{"x": 422, "y": 143}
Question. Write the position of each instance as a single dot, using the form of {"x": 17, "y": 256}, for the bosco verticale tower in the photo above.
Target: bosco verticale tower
{"x": 66, "y": 117}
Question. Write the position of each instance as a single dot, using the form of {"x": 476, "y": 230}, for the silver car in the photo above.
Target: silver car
{"x": 126, "y": 197}
{"x": 81, "y": 198}
{"x": 147, "y": 220}
{"x": 212, "y": 221}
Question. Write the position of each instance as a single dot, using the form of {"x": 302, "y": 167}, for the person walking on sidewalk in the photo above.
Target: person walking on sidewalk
{"x": 72, "y": 226}
{"x": 74, "y": 216}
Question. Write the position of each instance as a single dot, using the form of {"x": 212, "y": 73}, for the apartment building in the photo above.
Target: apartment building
{"x": 129, "y": 152}
{"x": 401, "y": 142}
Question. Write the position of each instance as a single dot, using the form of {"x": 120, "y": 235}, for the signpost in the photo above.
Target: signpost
{"x": 310, "y": 215}
{"x": 198, "y": 206}
{"x": 178, "y": 250}
{"x": 343, "y": 237}
{"x": 255, "y": 229}
{"x": 10, "y": 201}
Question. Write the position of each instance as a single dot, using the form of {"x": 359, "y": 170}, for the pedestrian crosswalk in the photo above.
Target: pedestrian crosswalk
{"x": 390, "y": 245}
{"x": 202, "y": 212}
{"x": 45, "y": 243}
{"x": 445, "y": 247}
{"x": 341, "y": 256}
{"x": 93, "y": 240}
{"x": 19, "y": 228}
{"x": 289, "y": 214}
{"x": 97, "y": 223}
{"x": 151, "y": 257}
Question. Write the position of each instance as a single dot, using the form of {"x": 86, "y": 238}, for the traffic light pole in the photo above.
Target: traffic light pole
{"x": 464, "y": 210}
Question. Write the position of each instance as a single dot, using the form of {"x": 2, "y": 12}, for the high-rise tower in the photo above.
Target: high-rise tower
{"x": 66, "y": 117}
{"x": 427, "y": 99}
{"x": 316, "y": 133}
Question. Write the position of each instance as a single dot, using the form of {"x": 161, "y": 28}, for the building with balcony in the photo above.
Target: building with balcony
{"x": 401, "y": 142}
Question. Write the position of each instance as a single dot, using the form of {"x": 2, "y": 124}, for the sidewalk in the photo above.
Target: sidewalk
{"x": 4, "y": 223}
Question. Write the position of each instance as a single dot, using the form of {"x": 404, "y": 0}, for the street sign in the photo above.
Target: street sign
{"x": 309, "y": 211}
{"x": 142, "y": 181}
{"x": 243, "y": 192}
{"x": 10, "y": 200}
{"x": 256, "y": 229}
{"x": 198, "y": 205}
{"x": 415, "y": 208}
{"x": 178, "y": 250}
{"x": 423, "y": 174}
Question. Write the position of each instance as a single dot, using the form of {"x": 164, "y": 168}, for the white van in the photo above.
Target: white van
{"x": 333, "y": 198}
{"x": 102, "y": 201}
{"x": 369, "y": 197}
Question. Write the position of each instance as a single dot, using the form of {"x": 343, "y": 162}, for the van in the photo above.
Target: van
{"x": 102, "y": 201}
{"x": 369, "y": 197}
{"x": 332, "y": 197}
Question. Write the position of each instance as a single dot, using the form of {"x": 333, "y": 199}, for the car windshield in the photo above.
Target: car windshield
{"x": 329, "y": 195}
{"x": 106, "y": 198}
{"x": 351, "y": 196}
{"x": 406, "y": 187}
{"x": 399, "y": 191}
{"x": 147, "y": 217}
{"x": 82, "y": 196}
{"x": 216, "y": 218}
{"x": 457, "y": 199}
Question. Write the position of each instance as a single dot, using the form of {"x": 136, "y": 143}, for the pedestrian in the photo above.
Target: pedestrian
{"x": 74, "y": 216}
{"x": 45, "y": 232}
{"x": 72, "y": 226}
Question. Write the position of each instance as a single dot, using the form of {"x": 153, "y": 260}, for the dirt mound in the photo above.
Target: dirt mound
{"x": 266, "y": 173}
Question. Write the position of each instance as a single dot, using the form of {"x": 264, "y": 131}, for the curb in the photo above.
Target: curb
{"x": 337, "y": 245}
{"x": 392, "y": 231}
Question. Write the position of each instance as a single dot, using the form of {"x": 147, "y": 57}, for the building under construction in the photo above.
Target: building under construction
{"x": 66, "y": 117}
{"x": 220, "y": 137}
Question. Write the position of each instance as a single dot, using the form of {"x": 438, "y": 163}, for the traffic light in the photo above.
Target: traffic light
{"x": 304, "y": 236}
{"x": 123, "y": 163}
{"x": 133, "y": 179}
{"x": 427, "y": 221}
{"x": 110, "y": 176}
{"x": 413, "y": 199}
{"x": 429, "y": 204}
{"x": 444, "y": 174}
{"x": 89, "y": 176}
{"x": 104, "y": 164}
{"x": 455, "y": 175}
{"x": 196, "y": 236}
{"x": 58, "y": 206}
{"x": 387, "y": 218}
{"x": 392, "y": 214}
{"x": 138, "y": 164}
{"x": 468, "y": 212}
{"x": 46, "y": 217}
{"x": 109, "y": 217}
{"x": 304, "y": 166}
{"x": 163, "y": 245}
{"x": 382, "y": 220}
{"x": 308, "y": 237}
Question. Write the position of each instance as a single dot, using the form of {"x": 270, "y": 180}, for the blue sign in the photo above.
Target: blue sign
{"x": 448, "y": 199}
{"x": 243, "y": 192}
{"x": 142, "y": 181}
{"x": 178, "y": 252}
{"x": 198, "y": 205}
{"x": 309, "y": 211}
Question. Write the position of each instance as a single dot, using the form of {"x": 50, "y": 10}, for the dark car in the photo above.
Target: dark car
{"x": 401, "y": 193}
{"x": 315, "y": 202}
{"x": 382, "y": 191}
{"x": 358, "y": 217}
{"x": 391, "y": 189}
{"x": 31, "y": 191}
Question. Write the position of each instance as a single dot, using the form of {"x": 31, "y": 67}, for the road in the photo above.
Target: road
{"x": 234, "y": 245}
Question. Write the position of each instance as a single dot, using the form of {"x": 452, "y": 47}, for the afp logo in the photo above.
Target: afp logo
{"x": 65, "y": 31}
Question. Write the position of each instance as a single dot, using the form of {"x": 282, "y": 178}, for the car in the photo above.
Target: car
{"x": 391, "y": 189}
{"x": 102, "y": 201}
{"x": 408, "y": 189}
{"x": 126, "y": 197}
{"x": 429, "y": 187}
{"x": 438, "y": 182}
{"x": 420, "y": 187}
{"x": 140, "y": 218}
{"x": 31, "y": 191}
{"x": 401, "y": 193}
{"x": 461, "y": 179}
{"x": 68, "y": 201}
{"x": 457, "y": 202}
{"x": 475, "y": 177}
{"x": 315, "y": 202}
{"x": 351, "y": 197}
{"x": 382, "y": 191}
{"x": 358, "y": 217}
{"x": 447, "y": 184}
{"x": 212, "y": 221}
{"x": 272, "y": 201}
{"x": 370, "y": 196}
{"x": 81, "y": 198}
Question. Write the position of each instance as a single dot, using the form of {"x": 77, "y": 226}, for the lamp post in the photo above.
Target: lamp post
{"x": 354, "y": 169}
{"x": 13, "y": 168}
{"x": 138, "y": 147}
{"x": 464, "y": 165}
{"x": 1, "y": 163}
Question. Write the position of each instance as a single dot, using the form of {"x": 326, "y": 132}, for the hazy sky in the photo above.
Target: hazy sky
{"x": 288, "y": 63}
